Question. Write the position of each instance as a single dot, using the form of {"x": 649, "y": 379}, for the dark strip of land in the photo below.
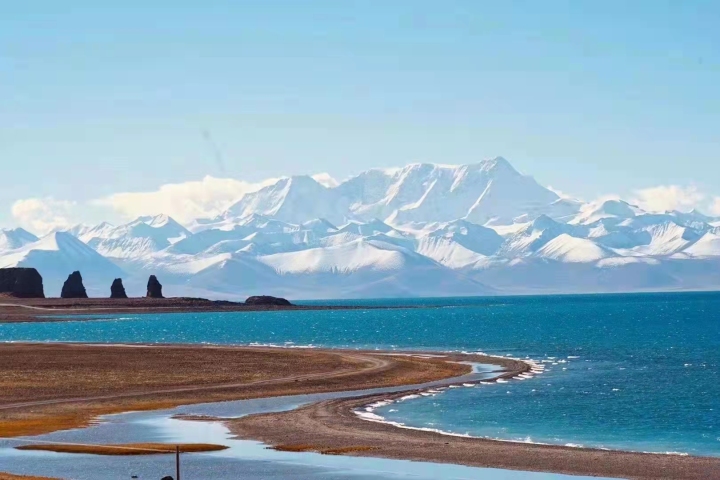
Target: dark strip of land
{"x": 47, "y": 309}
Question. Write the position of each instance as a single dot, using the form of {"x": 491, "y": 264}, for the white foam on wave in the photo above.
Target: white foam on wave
{"x": 679, "y": 454}
{"x": 274, "y": 345}
{"x": 369, "y": 416}
{"x": 408, "y": 397}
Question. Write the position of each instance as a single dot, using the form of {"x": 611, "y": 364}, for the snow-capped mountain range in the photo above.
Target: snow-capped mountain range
{"x": 420, "y": 230}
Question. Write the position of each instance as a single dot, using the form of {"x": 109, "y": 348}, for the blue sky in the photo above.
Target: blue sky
{"x": 590, "y": 97}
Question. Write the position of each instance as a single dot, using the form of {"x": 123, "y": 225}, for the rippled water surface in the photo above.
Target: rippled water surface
{"x": 637, "y": 372}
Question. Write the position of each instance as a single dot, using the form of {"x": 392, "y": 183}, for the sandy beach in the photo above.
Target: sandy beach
{"x": 48, "y": 387}
{"x": 51, "y": 387}
{"x": 333, "y": 425}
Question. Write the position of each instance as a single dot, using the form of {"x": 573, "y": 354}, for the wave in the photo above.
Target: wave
{"x": 373, "y": 417}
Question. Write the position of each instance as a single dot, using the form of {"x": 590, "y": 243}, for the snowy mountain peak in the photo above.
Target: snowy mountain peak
{"x": 325, "y": 180}
{"x": 58, "y": 254}
{"x": 543, "y": 222}
{"x": 319, "y": 225}
{"x": 158, "y": 221}
{"x": 161, "y": 221}
{"x": 617, "y": 210}
{"x": 421, "y": 229}
{"x": 497, "y": 165}
{"x": 11, "y": 239}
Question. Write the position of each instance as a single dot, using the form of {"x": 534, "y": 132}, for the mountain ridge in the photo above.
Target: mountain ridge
{"x": 422, "y": 229}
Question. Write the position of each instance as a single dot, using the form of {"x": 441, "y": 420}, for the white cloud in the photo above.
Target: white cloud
{"x": 44, "y": 214}
{"x": 669, "y": 197}
{"x": 715, "y": 206}
{"x": 183, "y": 201}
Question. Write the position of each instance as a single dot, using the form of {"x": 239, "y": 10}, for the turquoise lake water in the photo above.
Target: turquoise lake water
{"x": 635, "y": 372}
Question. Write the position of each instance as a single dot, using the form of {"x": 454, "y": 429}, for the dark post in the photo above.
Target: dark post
{"x": 177, "y": 462}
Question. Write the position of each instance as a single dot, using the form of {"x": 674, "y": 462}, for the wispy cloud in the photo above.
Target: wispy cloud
{"x": 44, "y": 214}
{"x": 669, "y": 197}
{"x": 183, "y": 201}
{"x": 715, "y": 206}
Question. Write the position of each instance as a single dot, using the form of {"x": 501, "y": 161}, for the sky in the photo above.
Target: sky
{"x": 111, "y": 109}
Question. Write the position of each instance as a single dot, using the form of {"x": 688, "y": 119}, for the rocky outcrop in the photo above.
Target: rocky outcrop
{"x": 154, "y": 288}
{"x": 268, "y": 300}
{"x": 21, "y": 282}
{"x": 117, "y": 290}
{"x": 73, "y": 287}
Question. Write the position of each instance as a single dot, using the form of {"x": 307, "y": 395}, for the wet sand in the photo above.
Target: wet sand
{"x": 14, "y": 309}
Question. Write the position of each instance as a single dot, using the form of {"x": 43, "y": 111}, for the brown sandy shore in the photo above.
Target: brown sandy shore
{"x": 48, "y": 387}
{"x": 14, "y": 309}
{"x": 332, "y": 425}
{"x": 45, "y": 388}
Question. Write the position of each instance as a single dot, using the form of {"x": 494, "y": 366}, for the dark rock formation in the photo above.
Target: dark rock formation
{"x": 167, "y": 478}
{"x": 73, "y": 287}
{"x": 154, "y": 289}
{"x": 268, "y": 300}
{"x": 21, "y": 282}
{"x": 117, "y": 290}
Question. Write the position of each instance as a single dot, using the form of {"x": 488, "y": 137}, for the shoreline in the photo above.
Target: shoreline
{"x": 156, "y": 377}
{"x": 24, "y": 310}
{"x": 339, "y": 425}
{"x": 334, "y": 425}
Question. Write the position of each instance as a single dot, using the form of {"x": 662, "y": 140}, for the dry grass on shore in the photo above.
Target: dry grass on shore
{"x": 50, "y": 387}
{"x": 125, "y": 449}
{"x": 10, "y": 476}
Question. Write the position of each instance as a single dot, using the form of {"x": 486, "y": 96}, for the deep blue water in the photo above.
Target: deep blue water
{"x": 639, "y": 372}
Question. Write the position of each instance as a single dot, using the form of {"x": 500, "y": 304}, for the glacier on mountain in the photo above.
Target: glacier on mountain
{"x": 419, "y": 230}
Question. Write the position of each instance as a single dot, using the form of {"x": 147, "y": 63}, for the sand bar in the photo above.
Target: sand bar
{"x": 333, "y": 426}
{"x": 125, "y": 449}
